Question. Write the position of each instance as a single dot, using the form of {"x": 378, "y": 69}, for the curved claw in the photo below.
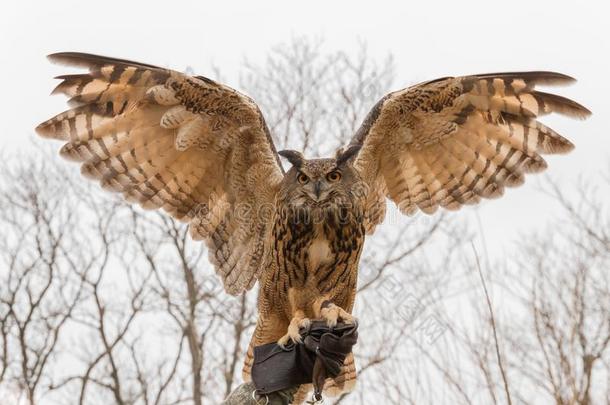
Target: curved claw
{"x": 332, "y": 313}
{"x": 293, "y": 335}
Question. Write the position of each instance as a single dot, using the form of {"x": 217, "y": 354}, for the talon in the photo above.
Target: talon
{"x": 348, "y": 318}
{"x": 305, "y": 323}
{"x": 332, "y": 313}
{"x": 290, "y": 336}
{"x": 284, "y": 340}
{"x": 293, "y": 333}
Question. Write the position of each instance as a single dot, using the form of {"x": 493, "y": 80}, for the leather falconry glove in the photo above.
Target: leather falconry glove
{"x": 320, "y": 356}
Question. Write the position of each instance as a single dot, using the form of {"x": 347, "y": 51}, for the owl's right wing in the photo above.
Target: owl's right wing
{"x": 193, "y": 147}
{"x": 455, "y": 140}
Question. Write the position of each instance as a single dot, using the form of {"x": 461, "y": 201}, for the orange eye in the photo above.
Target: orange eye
{"x": 333, "y": 176}
{"x": 302, "y": 178}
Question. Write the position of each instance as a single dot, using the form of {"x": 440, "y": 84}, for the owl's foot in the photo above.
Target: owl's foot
{"x": 298, "y": 321}
{"x": 332, "y": 313}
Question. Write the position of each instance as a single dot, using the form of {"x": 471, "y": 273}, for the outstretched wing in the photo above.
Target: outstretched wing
{"x": 193, "y": 147}
{"x": 453, "y": 141}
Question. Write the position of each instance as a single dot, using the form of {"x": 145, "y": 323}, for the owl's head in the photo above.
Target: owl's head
{"x": 320, "y": 181}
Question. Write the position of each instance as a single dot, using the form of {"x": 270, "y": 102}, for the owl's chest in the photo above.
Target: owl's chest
{"x": 319, "y": 252}
{"x": 311, "y": 246}
{"x": 315, "y": 256}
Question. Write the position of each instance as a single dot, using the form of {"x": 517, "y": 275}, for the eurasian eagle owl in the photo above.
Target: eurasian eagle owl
{"x": 202, "y": 152}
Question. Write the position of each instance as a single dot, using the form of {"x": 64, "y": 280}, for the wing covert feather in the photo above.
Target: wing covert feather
{"x": 452, "y": 141}
{"x": 195, "y": 148}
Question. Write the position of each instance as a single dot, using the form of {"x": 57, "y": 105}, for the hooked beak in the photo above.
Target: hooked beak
{"x": 317, "y": 189}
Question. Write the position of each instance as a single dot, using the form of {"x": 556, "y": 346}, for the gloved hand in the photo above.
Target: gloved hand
{"x": 320, "y": 356}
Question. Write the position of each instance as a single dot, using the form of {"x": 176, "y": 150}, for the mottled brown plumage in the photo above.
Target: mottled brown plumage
{"x": 202, "y": 152}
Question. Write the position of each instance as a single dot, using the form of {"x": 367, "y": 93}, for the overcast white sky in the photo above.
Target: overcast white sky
{"x": 428, "y": 39}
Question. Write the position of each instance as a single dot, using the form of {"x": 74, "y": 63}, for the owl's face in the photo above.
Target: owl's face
{"x": 320, "y": 182}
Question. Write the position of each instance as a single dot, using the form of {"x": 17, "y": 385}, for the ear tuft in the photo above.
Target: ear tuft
{"x": 294, "y": 157}
{"x": 347, "y": 155}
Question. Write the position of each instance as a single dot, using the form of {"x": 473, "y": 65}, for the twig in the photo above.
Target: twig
{"x": 493, "y": 326}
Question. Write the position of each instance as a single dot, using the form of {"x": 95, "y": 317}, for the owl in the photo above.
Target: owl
{"x": 202, "y": 152}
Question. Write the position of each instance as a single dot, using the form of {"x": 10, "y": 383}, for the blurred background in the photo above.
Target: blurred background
{"x": 505, "y": 302}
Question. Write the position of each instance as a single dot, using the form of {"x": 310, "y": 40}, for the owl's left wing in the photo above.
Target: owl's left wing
{"x": 455, "y": 140}
{"x": 197, "y": 149}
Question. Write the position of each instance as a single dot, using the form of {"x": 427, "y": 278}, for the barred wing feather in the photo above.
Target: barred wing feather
{"x": 188, "y": 145}
{"x": 452, "y": 141}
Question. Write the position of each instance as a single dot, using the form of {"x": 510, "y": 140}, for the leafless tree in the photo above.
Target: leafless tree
{"x": 44, "y": 267}
{"x": 546, "y": 338}
{"x": 314, "y": 99}
{"x": 568, "y": 301}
